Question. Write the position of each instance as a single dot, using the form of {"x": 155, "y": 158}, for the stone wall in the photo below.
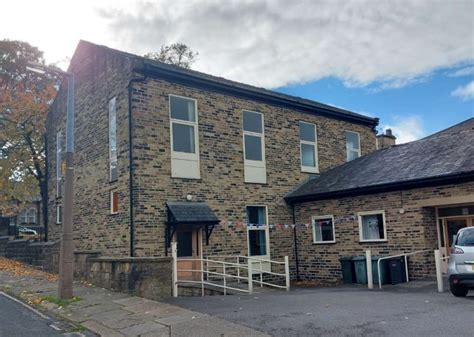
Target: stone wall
{"x": 147, "y": 277}
{"x": 413, "y": 229}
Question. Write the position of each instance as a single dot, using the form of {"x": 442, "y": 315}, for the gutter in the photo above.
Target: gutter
{"x": 456, "y": 178}
{"x": 130, "y": 162}
{"x": 190, "y": 79}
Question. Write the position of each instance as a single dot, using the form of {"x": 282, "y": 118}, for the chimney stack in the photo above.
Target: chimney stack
{"x": 386, "y": 139}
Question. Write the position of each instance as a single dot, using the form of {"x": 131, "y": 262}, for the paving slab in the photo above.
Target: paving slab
{"x": 148, "y": 327}
{"x": 101, "y": 329}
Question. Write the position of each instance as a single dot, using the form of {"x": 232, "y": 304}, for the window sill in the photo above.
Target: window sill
{"x": 113, "y": 181}
{"x": 113, "y": 213}
{"x": 373, "y": 241}
{"x": 324, "y": 242}
{"x": 309, "y": 170}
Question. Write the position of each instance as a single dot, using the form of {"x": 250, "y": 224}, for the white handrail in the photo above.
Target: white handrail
{"x": 230, "y": 270}
{"x": 398, "y": 255}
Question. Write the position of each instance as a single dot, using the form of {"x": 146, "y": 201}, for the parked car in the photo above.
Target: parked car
{"x": 27, "y": 233}
{"x": 461, "y": 263}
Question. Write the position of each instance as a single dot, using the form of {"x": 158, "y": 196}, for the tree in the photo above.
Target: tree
{"x": 25, "y": 98}
{"x": 178, "y": 54}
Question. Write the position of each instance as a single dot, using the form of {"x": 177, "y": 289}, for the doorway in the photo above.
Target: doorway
{"x": 189, "y": 250}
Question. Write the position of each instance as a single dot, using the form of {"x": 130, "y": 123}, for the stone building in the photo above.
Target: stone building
{"x": 168, "y": 154}
{"x": 401, "y": 199}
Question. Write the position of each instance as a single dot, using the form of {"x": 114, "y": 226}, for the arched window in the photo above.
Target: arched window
{"x": 32, "y": 216}
{"x": 24, "y": 216}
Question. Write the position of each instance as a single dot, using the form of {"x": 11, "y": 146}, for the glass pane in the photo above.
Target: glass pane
{"x": 352, "y": 140}
{"x": 257, "y": 242}
{"x": 307, "y": 132}
{"x": 252, "y": 122}
{"x": 185, "y": 243}
{"x": 307, "y": 155}
{"x": 256, "y": 215}
{"x": 351, "y": 155}
{"x": 253, "y": 147}
{"x": 182, "y": 108}
{"x": 372, "y": 227}
{"x": 183, "y": 138}
{"x": 323, "y": 230}
{"x": 453, "y": 228}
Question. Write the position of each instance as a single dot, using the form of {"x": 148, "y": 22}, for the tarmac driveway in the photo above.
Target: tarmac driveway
{"x": 345, "y": 311}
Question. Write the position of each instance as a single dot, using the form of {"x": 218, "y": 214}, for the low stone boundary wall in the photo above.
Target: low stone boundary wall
{"x": 148, "y": 277}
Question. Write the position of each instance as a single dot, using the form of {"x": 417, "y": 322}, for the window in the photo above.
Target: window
{"x": 59, "y": 213}
{"x": 114, "y": 200}
{"x": 24, "y": 216}
{"x": 323, "y": 229}
{"x": 59, "y": 173}
{"x": 254, "y": 148}
{"x": 257, "y": 236}
{"x": 184, "y": 137}
{"x": 308, "y": 147}
{"x": 372, "y": 226}
{"x": 112, "y": 140}
{"x": 352, "y": 145}
{"x": 32, "y": 216}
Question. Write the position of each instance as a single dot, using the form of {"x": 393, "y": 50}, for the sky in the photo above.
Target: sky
{"x": 409, "y": 63}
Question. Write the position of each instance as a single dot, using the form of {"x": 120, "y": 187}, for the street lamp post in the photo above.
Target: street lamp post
{"x": 66, "y": 256}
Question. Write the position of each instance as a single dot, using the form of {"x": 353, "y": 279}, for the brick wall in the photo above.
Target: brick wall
{"x": 413, "y": 230}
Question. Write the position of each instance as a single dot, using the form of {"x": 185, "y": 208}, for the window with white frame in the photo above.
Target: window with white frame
{"x": 257, "y": 234}
{"x": 184, "y": 137}
{"x": 352, "y": 145}
{"x": 323, "y": 229}
{"x": 32, "y": 216}
{"x": 112, "y": 140}
{"x": 308, "y": 147}
{"x": 59, "y": 213}
{"x": 254, "y": 148}
{"x": 24, "y": 216}
{"x": 59, "y": 173}
{"x": 372, "y": 226}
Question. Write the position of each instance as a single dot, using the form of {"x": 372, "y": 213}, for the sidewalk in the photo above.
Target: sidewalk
{"x": 109, "y": 313}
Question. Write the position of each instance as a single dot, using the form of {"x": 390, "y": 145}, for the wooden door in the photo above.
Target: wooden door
{"x": 189, "y": 249}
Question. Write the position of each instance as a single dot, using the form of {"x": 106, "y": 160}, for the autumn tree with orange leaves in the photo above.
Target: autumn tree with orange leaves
{"x": 25, "y": 98}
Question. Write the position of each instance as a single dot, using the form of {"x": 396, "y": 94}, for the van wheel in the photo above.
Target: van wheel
{"x": 459, "y": 291}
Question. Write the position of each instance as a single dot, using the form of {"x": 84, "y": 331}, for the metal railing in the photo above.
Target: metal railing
{"x": 405, "y": 255}
{"x": 216, "y": 272}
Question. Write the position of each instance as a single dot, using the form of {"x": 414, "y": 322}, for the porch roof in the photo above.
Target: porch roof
{"x": 191, "y": 213}
{"x": 443, "y": 158}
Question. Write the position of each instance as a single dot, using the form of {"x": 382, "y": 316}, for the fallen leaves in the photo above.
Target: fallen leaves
{"x": 21, "y": 269}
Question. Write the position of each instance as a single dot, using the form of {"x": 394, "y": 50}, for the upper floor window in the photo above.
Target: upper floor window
{"x": 59, "y": 173}
{"x": 372, "y": 226}
{"x": 114, "y": 202}
{"x": 32, "y": 216}
{"x": 24, "y": 216}
{"x": 59, "y": 213}
{"x": 184, "y": 137}
{"x": 254, "y": 147}
{"x": 308, "y": 147}
{"x": 352, "y": 145}
{"x": 112, "y": 140}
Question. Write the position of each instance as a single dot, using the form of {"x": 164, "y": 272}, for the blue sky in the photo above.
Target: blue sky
{"x": 422, "y": 107}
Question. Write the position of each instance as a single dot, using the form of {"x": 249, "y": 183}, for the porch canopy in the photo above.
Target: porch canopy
{"x": 187, "y": 215}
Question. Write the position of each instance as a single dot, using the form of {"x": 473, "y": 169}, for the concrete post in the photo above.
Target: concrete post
{"x": 287, "y": 274}
{"x": 439, "y": 273}
{"x": 370, "y": 280}
{"x": 174, "y": 254}
{"x": 250, "y": 272}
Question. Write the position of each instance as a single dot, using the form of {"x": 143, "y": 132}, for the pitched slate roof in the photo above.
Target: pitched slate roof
{"x": 444, "y": 157}
{"x": 191, "y": 212}
{"x": 196, "y": 78}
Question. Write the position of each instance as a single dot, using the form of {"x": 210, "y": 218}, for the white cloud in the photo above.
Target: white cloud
{"x": 465, "y": 92}
{"x": 466, "y": 71}
{"x": 275, "y": 43}
{"x": 406, "y": 128}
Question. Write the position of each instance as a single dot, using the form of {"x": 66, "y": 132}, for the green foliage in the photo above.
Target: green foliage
{"x": 59, "y": 301}
{"x": 178, "y": 54}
